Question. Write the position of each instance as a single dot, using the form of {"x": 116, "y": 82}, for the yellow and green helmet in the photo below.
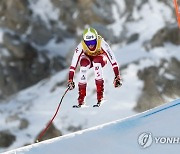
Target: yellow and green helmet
{"x": 90, "y": 36}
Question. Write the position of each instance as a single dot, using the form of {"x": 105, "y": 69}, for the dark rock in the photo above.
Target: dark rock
{"x": 15, "y": 15}
{"x": 150, "y": 96}
{"x": 129, "y": 9}
{"x": 50, "y": 133}
{"x": 27, "y": 144}
{"x": 6, "y": 139}
{"x": 25, "y": 65}
{"x": 23, "y": 34}
{"x": 157, "y": 84}
{"x": 171, "y": 86}
{"x": 40, "y": 34}
{"x": 133, "y": 38}
{"x": 74, "y": 128}
{"x": 166, "y": 34}
{"x": 18, "y": 48}
{"x": 84, "y": 12}
{"x": 66, "y": 16}
{"x": 23, "y": 124}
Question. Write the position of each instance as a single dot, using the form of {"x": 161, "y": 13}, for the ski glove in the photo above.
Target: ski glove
{"x": 117, "y": 81}
{"x": 71, "y": 85}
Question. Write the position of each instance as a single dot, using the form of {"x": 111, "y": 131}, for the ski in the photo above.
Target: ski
{"x": 99, "y": 103}
{"x": 80, "y": 106}
{"x": 85, "y": 106}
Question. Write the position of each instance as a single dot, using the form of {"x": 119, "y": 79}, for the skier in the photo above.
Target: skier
{"x": 92, "y": 52}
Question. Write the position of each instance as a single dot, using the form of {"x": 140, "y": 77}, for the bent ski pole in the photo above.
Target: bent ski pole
{"x": 50, "y": 122}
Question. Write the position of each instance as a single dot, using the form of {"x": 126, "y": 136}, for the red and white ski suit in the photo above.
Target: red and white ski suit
{"x": 97, "y": 61}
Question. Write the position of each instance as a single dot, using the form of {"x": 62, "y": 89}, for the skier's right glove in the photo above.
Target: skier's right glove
{"x": 117, "y": 81}
{"x": 71, "y": 84}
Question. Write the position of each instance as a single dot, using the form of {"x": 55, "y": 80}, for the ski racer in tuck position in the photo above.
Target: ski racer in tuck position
{"x": 92, "y": 52}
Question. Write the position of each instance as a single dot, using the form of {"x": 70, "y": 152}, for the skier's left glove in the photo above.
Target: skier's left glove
{"x": 71, "y": 84}
{"x": 117, "y": 81}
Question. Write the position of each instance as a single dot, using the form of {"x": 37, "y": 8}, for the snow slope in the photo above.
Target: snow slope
{"x": 121, "y": 136}
{"x": 38, "y": 104}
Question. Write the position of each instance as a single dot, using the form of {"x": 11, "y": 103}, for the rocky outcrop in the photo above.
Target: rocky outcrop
{"x": 171, "y": 78}
{"x": 21, "y": 61}
{"x": 50, "y": 133}
{"x": 23, "y": 65}
{"x": 15, "y": 15}
{"x": 74, "y": 128}
{"x": 166, "y": 34}
{"x": 17, "y": 48}
{"x": 134, "y": 37}
{"x": 159, "y": 82}
{"x": 84, "y": 12}
{"x": 6, "y": 139}
{"x": 96, "y": 13}
{"x": 24, "y": 123}
{"x": 150, "y": 96}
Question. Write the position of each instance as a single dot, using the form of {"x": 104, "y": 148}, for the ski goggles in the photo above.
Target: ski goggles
{"x": 91, "y": 42}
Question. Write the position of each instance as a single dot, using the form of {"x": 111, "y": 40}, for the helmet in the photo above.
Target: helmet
{"x": 90, "y": 36}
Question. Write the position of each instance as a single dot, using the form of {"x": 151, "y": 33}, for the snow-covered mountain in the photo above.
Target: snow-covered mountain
{"x": 154, "y": 131}
{"x": 37, "y": 35}
{"x": 143, "y": 35}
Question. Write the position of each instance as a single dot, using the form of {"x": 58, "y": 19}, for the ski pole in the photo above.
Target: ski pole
{"x": 50, "y": 122}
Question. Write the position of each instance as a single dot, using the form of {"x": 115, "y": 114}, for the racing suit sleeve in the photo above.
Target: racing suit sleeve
{"x": 110, "y": 55}
{"x": 77, "y": 54}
